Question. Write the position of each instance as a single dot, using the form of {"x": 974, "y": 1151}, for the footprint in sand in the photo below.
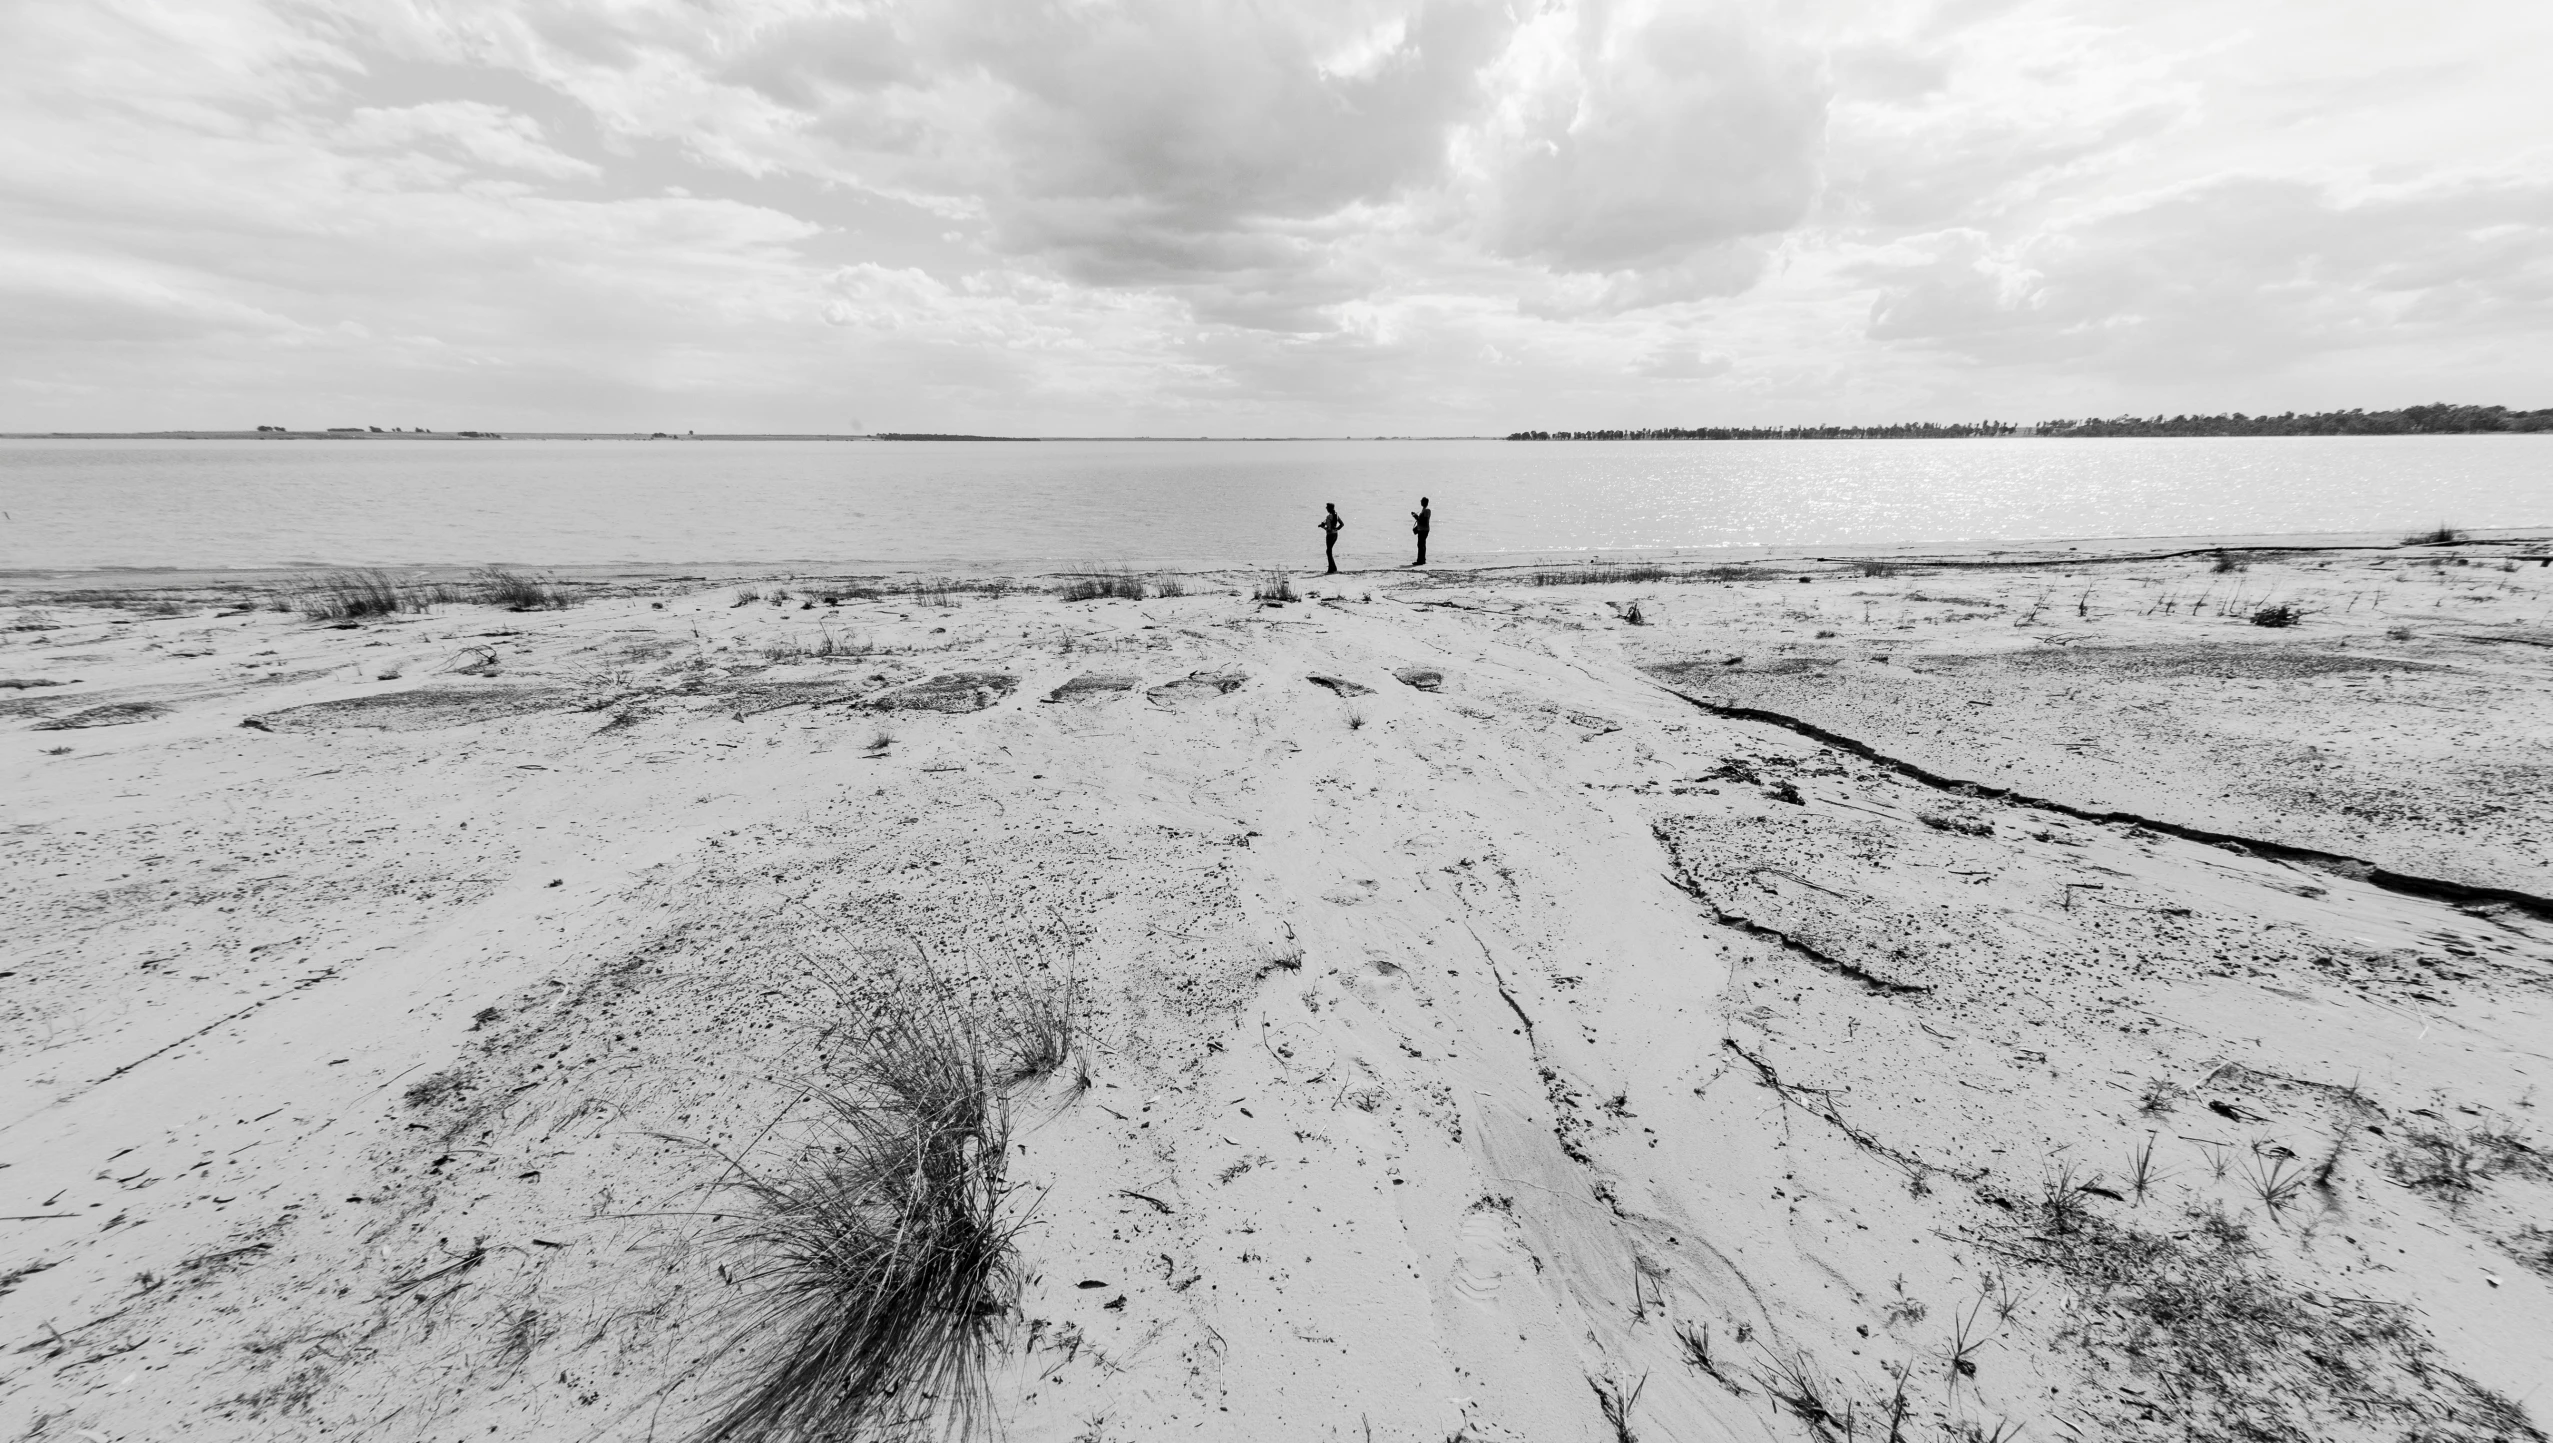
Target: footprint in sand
{"x": 1483, "y": 1260}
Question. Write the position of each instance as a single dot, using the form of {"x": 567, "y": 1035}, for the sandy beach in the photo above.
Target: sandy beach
{"x": 1793, "y": 998}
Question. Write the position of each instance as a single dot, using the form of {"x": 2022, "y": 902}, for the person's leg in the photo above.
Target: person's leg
{"x": 1330, "y": 551}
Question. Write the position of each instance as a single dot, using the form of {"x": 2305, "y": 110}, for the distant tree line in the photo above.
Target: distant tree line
{"x": 2433, "y": 420}
{"x": 1912, "y": 430}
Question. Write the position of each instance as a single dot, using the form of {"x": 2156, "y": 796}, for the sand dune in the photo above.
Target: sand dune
{"x": 1715, "y": 1002}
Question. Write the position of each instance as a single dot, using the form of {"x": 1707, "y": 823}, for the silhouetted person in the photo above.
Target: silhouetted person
{"x": 1421, "y": 516}
{"x": 1331, "y": 526}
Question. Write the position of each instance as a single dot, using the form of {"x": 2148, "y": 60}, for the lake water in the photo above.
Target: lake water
{"x": 81, "y": 504}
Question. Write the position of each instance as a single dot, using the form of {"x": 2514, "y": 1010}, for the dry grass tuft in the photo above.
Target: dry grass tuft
{"x": 2247, "y": 1355}
{"x": 1615, "y": 1399}
{"x": 1275, "y": 586}
{"x": 353, "y": 595}
{"x": 1119, "y": 584}
{"x": 499, "y": 586}
{"x": 1598, "y": 574}
{"x": 2279, "y": 614}
{"x": 2436, "y": 536}
{"x": 880, "y": 1253}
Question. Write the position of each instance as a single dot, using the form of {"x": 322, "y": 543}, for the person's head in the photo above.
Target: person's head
{"x": 1422, "y": 501}
{"x": 1334, "y": 506}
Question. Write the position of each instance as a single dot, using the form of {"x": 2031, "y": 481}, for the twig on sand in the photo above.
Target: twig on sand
{"x": 1820, "y": 1102}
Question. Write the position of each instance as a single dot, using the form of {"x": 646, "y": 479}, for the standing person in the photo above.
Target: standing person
{"x": 1331, "y": 526}
{"x": 1421, "y": 516}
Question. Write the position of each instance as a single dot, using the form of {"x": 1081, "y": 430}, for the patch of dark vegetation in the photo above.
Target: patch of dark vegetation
{"x": 354, "y": 595}
{"x": 878, "y": 1259}
{"x": 2443, "y": 1157}
{"x": 500, "y": 586}
{"x": 1275, "y": 587}
{"x": 113, "y": 714}
{"x": 1600, "y": 574}
{"x": 2437, "y": 536}
{"x": 2278, "y": 614}
{"x": 2237, "y": 1352}
{"x": 1120, "y": 585}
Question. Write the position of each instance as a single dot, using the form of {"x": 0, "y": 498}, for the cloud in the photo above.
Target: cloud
{"x": 1368, "y": 215}
{"x": 489, "y": 134}
{"x": 2229, "y": 276}
{"x": 1630, "y": 137}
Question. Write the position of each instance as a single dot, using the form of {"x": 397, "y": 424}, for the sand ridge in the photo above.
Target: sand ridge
{"x": 1478, "y": 1020}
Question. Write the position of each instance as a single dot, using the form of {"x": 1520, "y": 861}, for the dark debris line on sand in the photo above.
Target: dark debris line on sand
{"x": 2433, "y": 888}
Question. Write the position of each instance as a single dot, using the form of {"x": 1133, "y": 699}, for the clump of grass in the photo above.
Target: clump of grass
{"x": 1791, "y": 1380}
{"x": 2397, "y": 633}
{"x": 1119, "y": 584}
{"x": 2280, "y": 613}
{"x": 1166, "y": 587}
{"x": 746, "y": 596}
{"x": 2061, "y": 1191}
{"x": 1965, "y": 1340}
{"x": 2275, "y": 1179}
{"x": 825, "y": 647}
{"x": 2141, "y": 1173}
{"x": 1598, "y": 575}
{"x": 353, "y": 595}
{"x": 1615, "y": 1400}
{"x": 2436, "y": 536}
{"x": 499, "y": 586}
{"x": 2455, "y": 1159}
{"x": 1355, "y": 720}
{"x": 1695, "y": 1341}
{"x": 2227, "y": 561}
{"x": 1873, "y": 567}
{"x": 1276, "y": 586}
{"x": 1044, "y": 1024}
{"x": 881, "y": 1252}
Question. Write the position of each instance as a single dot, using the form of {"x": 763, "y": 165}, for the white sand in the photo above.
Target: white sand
{"x": 1504, "y": 1130}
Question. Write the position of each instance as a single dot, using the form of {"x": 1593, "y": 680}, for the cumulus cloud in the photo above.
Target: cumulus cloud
{"x": 1333, "y": 214}
{"x": 1632, "y": 136}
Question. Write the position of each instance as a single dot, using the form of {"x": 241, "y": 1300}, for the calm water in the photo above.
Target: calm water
{"x": 932, "y": 504}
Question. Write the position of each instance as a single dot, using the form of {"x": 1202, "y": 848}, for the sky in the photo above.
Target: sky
{"x": 1297, "y": 217}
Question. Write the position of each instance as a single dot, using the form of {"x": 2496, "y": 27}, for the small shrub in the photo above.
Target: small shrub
{"x": 2279, "y": 614}
{"x": 2397, "y": 633}
{"x": 1276, "y": 586}
{"x": 2227, "y": 561}
{"x": 2436, "y": 536}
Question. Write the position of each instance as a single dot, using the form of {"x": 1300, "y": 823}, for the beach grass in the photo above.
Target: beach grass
{"x": 878, "y": 1255}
